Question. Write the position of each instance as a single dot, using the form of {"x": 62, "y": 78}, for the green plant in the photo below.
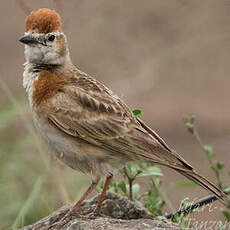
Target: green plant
{"x": 152, "y": 199}
{"x": 216, "y": 166}
{"x": 182, "y": 219}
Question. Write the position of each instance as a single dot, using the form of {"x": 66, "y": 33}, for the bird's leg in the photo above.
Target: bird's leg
{"x": 106, "y": 186}
{"x": 61, "y": 222}
{"x": 85, "y": 195}
{"x": 102, "y": 196}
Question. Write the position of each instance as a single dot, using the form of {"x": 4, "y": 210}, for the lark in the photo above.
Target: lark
{"x": 84, "y": 123}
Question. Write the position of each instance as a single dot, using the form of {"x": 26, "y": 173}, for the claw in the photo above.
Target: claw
{"x": 58, "y": 225}
{"x": 96, "y": 213}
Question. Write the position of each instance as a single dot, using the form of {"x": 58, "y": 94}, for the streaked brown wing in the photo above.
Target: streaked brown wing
{"x": 102, "y": 119}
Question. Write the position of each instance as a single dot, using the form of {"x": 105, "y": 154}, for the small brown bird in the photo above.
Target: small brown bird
{"x": 87, "y": 126}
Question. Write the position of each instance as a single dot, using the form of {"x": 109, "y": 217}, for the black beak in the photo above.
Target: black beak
{"x": 27, "y": 39}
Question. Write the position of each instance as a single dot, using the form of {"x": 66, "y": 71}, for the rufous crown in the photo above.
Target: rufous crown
{"x": 43, "y": 21}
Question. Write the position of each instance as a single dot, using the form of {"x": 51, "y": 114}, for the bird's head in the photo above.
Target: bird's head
{"x": 45, "y": 43}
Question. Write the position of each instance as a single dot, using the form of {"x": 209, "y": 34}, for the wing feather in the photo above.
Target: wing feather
{"x": 99, "y": 117}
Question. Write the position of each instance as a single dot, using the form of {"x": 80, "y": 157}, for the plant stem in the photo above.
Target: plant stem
{"x": 163, "y": 196}
{"x": 197, "y": 136}
{"x": 130, "y": 188}
{"x": 130, "y": 181}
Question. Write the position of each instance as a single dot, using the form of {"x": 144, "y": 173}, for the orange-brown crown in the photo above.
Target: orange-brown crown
{"x": 43, "y": 21}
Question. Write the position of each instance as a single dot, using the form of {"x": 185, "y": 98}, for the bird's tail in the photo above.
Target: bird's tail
{"x": 172, "y": 159}
{"x": 203, "y": 182}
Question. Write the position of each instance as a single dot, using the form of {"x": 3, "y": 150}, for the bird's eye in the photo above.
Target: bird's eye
{"x": 51, "y": 38}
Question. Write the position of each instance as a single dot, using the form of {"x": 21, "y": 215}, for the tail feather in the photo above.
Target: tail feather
{"x": 162, "y": 154}
{"x": 203, "y": 182}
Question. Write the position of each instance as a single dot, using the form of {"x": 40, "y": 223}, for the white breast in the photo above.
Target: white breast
{"x": 29, "y": 76}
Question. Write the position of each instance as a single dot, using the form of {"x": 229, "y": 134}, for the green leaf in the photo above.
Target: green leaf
{"x": 185, "y": 202}
{"x": 190, "y": 127}
{"x": 226, "y": 214}
{"x": 113, "y": 183}
{"x": 219, "y": 165}
{"x": 209, "y": 150}
{"x": 192, "y": 119}
{"x": 100, "y": 187}
{"x": 137, "y": 112}
{"x": 113, "y": 186}
{"x": 113, "y": 190}
{"x": 227, "y": 190}
{"x": 185, "y": 184}
{"x": 132, "y": 169}
{"x": 122, "y": 185}
{"x": 221, "y": 225}
{"x": 189, "y": 123}
{"x": 156, "y": 181}
{"x": 154, "y": 203}
{"x": 135, "y": 189}
{"x": 151, "y": 171}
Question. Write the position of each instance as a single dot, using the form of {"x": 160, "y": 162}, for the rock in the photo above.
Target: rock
{"x": 117, "y": 213}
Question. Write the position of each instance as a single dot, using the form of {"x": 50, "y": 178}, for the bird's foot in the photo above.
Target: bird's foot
{"x": 64, "y": 220}
{"x": 96, "y": 213}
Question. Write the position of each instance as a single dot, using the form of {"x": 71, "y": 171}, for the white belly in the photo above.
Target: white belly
{"x": 75, "y": 153}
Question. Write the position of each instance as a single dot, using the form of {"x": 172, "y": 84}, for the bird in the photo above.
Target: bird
{"x": 85, "y": 124}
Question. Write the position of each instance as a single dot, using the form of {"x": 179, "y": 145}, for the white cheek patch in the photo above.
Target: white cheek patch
{"x": 50, "y": 54}
{"x": 33, "y": 54}
{"x": 40, "y": 54}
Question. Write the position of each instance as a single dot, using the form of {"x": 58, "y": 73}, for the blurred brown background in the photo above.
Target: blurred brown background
{"x": 168, "y": 57}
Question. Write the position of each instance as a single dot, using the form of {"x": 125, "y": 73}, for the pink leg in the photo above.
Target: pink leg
{"x": 85, "y": 195}
{"x": 58, "y": 225}
{"x": 102, "y": 196}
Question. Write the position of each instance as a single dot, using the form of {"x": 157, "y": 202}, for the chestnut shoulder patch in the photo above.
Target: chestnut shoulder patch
{"x": 43, "y": 21}
{"x": 46, "y": 86}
